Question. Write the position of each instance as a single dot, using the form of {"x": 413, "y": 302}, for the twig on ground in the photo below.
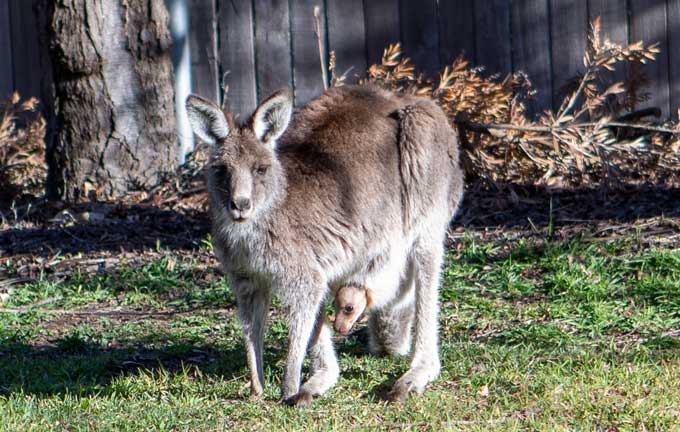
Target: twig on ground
{"x": 14, "y": 281}
{"x": 45, "y": 302}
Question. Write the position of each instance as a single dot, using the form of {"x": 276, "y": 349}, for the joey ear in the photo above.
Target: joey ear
{"x": 271, "y": 118}
{"x": 369, "y": 298}
{"x": 206, "y": 119}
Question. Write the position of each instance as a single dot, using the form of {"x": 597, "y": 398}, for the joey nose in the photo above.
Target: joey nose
{"x": 241, "y": 204}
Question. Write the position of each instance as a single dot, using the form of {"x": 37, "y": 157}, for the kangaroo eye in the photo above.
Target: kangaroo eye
{"x": 348, "y": 309}
{"x": 261, "y": 170}
{"x": 220, "y": 171}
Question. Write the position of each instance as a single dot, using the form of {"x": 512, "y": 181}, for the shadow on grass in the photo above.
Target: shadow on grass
{"x": 142, "y": 227}
{"x": 511, "y": 205}
{"x": 74, "y": 366}
{"x": 79, "y": 366}
{"x": 144, "y": 286}
{"x": 128, "y": 228}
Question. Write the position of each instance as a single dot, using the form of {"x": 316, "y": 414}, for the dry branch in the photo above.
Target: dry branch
{"x": 322, "y": 50}
{"x": 596, "y": 136}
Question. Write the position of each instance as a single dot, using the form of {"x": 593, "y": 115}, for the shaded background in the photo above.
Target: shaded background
{"x": 267, "y": 44}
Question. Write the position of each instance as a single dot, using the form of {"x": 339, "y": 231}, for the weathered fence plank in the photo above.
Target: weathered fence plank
{"x": 267, "y": 44}
{"x": 613, "y": 18}
{"x": 457, "y": 30}
{"x": 31, "y": 65}
{"x": 648, "y": 23}
{"x": 568, "y": 31}
{"x": 674, "y": 56}
{"x": 203, "y": 48}
{"x": 237, "y": 54}
{"x": 382, "y": 27}
{"x": 25, "y": 48}
{"x": 614, "y": 24}
{"x": 347, "y": 37}
{"x": 272, "y": 42}
{"x": 307, "y": 76}
{"x": 531, "y": 48}
{"x": 493, "y": 49}
{"x": 419, "y": 33}
{"x": 6, "y": 74}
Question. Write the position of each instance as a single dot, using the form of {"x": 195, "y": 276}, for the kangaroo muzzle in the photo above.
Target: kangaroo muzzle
{"x": 240, "y": 208}
{"x": 241, "y": 204}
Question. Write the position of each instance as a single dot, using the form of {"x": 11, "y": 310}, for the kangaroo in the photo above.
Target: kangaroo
{"x": 349, "y": 303}
{"x": 359, "y": 185}
{"x": 391, "y": 310}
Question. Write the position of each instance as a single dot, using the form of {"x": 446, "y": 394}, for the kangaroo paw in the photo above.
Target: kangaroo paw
{"x": 301, "y": 399}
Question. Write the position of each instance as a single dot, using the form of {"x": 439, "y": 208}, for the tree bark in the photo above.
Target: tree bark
{"x": 114, "y": 97}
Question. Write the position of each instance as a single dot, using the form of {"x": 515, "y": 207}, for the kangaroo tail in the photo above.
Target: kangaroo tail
{"x": 425, "y": 137}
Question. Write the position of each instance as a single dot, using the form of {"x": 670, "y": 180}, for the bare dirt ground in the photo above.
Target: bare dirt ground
{"x": 43, "y": 239}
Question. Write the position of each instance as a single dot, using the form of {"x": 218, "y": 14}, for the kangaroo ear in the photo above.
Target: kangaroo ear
{"x": 271, "y": 118}
{"x": 369, "y": 298}
{"x": 207, "y": 119}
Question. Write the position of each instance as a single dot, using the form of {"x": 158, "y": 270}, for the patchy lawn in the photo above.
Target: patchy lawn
{"x": 535, "y": 334}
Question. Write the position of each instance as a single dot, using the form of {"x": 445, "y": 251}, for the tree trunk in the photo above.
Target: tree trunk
{"x": 114, "y": 97}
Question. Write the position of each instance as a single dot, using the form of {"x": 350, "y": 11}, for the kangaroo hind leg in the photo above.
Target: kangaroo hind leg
{"x": 425, "y": 364}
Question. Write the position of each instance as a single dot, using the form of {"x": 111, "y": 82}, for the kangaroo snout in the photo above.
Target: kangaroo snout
{"x": 241, "y": 204}
{"x": 240, "y": 208}
{"x": 343, "y": 329}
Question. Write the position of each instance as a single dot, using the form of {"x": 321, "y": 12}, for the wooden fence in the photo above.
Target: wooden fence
{"x": 267, "y": 44}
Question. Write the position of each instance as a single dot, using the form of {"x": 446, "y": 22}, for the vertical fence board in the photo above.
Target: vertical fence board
{"x": 492, "y": 34}
{"x": 531, "y": 48}
{"x": 614, "y": 24}
{"x": 568, "y": 31}
{"x": 347, "y": 37}
{"x": 382, "y": 27}
{"x": 31, "y": 65}
{"x": 272, "y": 36}
{"x": 674, "y": 56}
{"x": 420, "y": 34}
{"x": 457, "y": 30}
{"x": 237, "y": 55}
{"x": 613, "y": 17}
{"x": 269, "y": 44}
{"x": 648, "y": 23}
{"x": 25, "y": 48}
{"x": 6, "y": 78}
{"x": 307, "y": 76}
{"x": 203, "y": 48}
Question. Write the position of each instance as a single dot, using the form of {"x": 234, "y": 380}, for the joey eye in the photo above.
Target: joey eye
{"x": 261, "y": 169}
{"x": 348, "y": 309}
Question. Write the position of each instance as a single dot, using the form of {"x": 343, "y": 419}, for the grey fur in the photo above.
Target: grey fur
{"x": 389, "y": 330}
{"x": 210, "y": 126}
{"x": 360, "y": 188}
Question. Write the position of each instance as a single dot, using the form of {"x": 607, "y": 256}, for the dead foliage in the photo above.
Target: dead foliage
{"x": 595, "y": 137}
{"x": 185, "y": 190}
{"x": 22, "y": 148}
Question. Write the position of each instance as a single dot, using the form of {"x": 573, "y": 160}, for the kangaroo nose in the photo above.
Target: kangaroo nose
{"x": 241, "y": 204}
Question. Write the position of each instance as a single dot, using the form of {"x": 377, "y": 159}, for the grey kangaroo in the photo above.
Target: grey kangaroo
{"x": 358, "y": 186}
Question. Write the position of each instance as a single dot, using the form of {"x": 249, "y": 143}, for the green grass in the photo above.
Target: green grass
{"x": 576, "y": 336}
